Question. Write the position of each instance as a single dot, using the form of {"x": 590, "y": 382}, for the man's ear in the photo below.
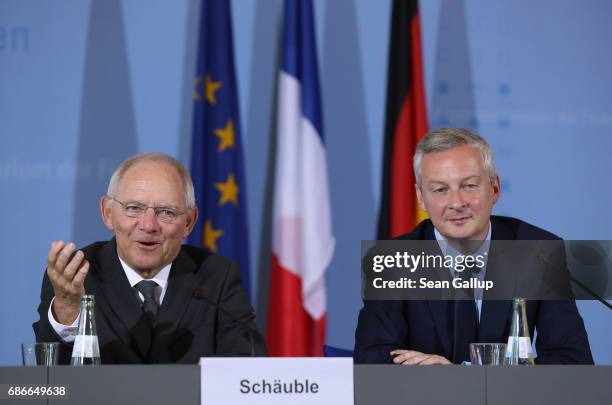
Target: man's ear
{"x": 192, "y": 218}
{"x": 105, "y": 211}
{"x": 420, "y": 197}
{"x": 496, "y": 184}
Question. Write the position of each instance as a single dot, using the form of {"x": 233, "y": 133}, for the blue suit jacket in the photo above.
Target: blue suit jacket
{"x": 427, "y": 326}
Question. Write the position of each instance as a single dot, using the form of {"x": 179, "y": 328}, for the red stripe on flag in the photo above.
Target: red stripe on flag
{"x": 411, "y": 126}
{"x": 291, "y": 331}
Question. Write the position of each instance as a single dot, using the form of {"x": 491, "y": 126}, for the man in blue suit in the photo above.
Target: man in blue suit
{"x": 457, "y": 186}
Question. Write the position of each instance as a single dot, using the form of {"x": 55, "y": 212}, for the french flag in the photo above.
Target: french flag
{"x": 303, "y": 244}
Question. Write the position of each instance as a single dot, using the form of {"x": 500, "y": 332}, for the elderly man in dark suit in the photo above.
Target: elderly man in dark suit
{"x": 152, "y": 293}
{"x": 457, "y": 186}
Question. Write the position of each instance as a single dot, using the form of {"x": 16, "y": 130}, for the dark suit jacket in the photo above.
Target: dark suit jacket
{"x": 187, "y": 327}
{"x": 427, "y": 326}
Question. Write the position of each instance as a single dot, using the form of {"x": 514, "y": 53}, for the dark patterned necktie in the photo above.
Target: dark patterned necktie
{"x": 147, "y": 289}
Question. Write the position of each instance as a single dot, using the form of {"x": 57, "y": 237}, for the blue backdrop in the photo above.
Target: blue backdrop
{"x": 85, "y": 84}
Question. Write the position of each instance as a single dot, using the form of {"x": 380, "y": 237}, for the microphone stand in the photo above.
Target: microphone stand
{"x": 253, "y": 333}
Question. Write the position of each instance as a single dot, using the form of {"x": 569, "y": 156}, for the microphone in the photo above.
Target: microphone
{"x": 590, "y": 292}
{"x": 253, "y": 332}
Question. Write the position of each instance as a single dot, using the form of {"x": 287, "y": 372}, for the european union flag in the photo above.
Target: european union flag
{"x": 216, "y": 158}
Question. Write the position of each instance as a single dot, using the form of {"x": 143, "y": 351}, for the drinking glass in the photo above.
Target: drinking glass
{"x": 40, "y": 354}
{"x": 487, "y": 354}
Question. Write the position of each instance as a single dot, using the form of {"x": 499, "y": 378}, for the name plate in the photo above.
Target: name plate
{"x": 277, "y": 380}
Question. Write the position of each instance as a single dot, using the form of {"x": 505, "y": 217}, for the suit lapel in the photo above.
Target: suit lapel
{"x": 181, "y": 283}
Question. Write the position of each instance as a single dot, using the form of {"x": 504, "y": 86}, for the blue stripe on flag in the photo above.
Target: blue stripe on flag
{"x": 300, "y": 57}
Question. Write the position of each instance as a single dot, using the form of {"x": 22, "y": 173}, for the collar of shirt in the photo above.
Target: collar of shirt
{"x": 160, "y": 278}
{"x": 447, "y": 249}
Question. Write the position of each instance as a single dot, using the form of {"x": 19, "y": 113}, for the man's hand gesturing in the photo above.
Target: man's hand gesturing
{"x": 67, "y": 275}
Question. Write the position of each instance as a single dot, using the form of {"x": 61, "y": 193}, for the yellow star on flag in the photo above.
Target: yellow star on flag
{"x": 211, "y": 236}
{"x": 211, "y": 88}
{"x": 229, "y": 190}
{"x": 226, "y": 135}
{"x": 196, "y": 91}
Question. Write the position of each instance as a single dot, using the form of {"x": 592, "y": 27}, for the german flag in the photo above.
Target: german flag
{"x": 405, "y": 124}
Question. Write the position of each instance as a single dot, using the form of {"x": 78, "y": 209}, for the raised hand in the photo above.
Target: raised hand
{"x": 66, "y": 271}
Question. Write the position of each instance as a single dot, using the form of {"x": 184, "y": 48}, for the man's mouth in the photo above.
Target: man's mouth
{"x": 459, "y": 220}
{"x": 145, "y": 245}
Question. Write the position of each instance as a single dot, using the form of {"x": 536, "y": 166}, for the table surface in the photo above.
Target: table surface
{"x": 374, "y": 384}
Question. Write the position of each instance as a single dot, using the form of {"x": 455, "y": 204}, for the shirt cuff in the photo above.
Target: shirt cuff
{"x": 65, "y": 332}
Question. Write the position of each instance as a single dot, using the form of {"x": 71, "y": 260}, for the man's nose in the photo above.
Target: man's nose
{"x": 457, "y": 200}
{"x": 148, "y": 221}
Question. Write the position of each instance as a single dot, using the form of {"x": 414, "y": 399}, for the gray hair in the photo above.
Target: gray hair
{"x": 443, "y": 139}
{"x": 154, "y": 157}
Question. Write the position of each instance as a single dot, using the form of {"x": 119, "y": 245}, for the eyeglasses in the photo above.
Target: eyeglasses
{"x": 134, "y": 209}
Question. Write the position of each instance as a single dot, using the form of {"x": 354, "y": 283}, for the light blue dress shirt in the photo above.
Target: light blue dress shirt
{"x": 483, "y": 250}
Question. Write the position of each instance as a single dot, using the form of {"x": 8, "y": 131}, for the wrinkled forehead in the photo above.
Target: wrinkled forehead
{"x": 456, "y": 163}
{"x": 152, "y": 181}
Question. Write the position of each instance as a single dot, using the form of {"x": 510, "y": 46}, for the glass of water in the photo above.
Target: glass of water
{"x": 487, "y": 354}
{"x": 40, "y": 354}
